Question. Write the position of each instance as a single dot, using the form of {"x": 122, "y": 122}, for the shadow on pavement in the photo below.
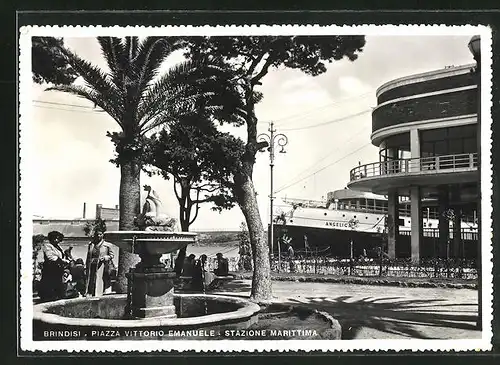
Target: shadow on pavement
{"x": 393, "y": 315}
{"x": 234, "y": 287}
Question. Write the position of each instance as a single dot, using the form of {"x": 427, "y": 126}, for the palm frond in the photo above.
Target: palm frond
{"x": 170, "y": 86}
{"x": 97, "y": 80}
{"x": 150, "y": 55}
{"x": 185, "y": 78}
{"x": 93, "y": 96}
{"x": 200, "y": 86}
{"x": 131, "y": 48}
{"x": 114, "y": 52}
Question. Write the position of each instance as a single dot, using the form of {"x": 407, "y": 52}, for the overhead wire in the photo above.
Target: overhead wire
{"x": 323, "y": 168}
{"x": 68, "y": 110}
{"x": 63, "y": 104}
{"x": 330, "y": 153}
{"x": 328, "y": 122}
{"x": 279, "y": 122}
{"x": 336, "y": 102}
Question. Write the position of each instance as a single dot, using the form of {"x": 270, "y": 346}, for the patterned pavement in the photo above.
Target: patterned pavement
{"x": 375, "y": 312}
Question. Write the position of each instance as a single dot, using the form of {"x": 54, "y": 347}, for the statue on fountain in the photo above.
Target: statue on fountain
{"x": 150, "y": 283}
{"x": 152, "y": 217}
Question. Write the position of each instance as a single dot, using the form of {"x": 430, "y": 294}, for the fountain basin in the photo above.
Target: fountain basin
{"x": 150, "y": 242}
{"x": 94, "y": 318}
{"x": 150, "y": 284}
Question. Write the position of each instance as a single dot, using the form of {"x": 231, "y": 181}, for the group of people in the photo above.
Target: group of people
{"x": 64, "y": 277}
{"x": 202, "y": 277}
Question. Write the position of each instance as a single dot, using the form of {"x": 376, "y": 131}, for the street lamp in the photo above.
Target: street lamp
{"x": 273, "y": 140}
{"x": 475, "y": 49}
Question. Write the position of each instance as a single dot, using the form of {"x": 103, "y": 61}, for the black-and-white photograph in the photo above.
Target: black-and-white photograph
{"x": 291, "y": 188}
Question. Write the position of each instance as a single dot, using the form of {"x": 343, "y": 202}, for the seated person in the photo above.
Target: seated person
{"x": 202, "y": 278}
{"x": 68, "y": 253}
{"x": 222, "y": 266}
{"x": 69, "y": 286}
{"x": 78, "y": 274}
{"x": 188, "y": 266}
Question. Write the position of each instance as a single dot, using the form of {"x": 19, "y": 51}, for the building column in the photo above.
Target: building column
{"x": 457, "y": 221}
{"x": 416, "y": 223}
{"x": 392, "y": 222}
{"x": 457, "y": 233}
{"x": 392, "y": 154}
{"x": 444, "y": 225}
{"x": 415, "y": 149}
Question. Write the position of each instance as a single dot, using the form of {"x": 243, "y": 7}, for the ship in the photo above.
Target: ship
{"x": 350, "y": 224}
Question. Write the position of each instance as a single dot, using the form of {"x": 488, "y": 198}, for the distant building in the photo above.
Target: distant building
{"x": 425, "y": 126}
{"x": 73, "y": 228}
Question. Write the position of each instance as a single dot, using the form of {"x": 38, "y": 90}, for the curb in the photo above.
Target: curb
{"x": 366, "y": 281}
{"x": 334, "y": 332}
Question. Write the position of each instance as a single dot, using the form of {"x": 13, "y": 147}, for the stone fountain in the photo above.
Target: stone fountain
{"x": 150, "y": 302}
{"x": 150, "y": 284}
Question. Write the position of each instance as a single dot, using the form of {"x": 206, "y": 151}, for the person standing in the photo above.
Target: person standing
{"x": 54, "y": 263}
{"x": 291, "y": 255}
{"x": 99, "y": 266}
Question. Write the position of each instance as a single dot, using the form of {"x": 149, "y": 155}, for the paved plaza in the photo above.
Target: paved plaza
{"x": 375, "y": 312}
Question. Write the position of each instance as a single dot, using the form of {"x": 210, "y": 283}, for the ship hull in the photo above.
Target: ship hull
{"x": 337, "y": 243}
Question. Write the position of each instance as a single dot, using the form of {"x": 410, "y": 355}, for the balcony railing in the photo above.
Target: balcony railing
{"x": 427, "y": 165}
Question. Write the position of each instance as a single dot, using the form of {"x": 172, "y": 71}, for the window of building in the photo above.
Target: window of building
{"x": 448, "y": 141}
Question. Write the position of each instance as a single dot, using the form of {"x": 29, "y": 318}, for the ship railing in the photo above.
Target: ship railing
{"x": 433, "y": 164}
{"x": 403, "y": 212}
{"x": 305, "y": 202}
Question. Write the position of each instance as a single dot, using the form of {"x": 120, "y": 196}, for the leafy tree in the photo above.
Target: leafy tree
{"x": 49, "y": 64}
{"x": 140, "y": 100}
{"x": 201, "y": 161}
{"x": 251, "y": 59}
{"x": 90, "y": 227}
{"x": 37, "y": 246}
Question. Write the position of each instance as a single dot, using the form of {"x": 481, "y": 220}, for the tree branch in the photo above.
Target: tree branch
{"x": 195, "y": 214}
{"x": 175, "y": 189}
{"x": 255, "y": 63}
{"x": 263, "y": 72}
{"x": 197, "y": 207}
{"x": 208, "y": 190}
{"x": 200, "y": 201}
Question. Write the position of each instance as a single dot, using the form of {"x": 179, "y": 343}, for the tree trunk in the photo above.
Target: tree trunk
{"x": 184, "y": 221}
{"x": 130, "y": 205}
{"x": 261, "y": 281}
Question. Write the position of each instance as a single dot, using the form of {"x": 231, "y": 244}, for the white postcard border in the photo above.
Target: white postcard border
{"x": 26, "y": 178}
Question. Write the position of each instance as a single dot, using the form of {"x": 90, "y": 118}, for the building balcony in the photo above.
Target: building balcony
{"x": 379, "y": 177}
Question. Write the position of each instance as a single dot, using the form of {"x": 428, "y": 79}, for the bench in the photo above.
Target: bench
{"x": 184, "y": 282}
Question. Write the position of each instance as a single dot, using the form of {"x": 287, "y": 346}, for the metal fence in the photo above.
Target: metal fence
{"x": 432, "y": 268}
{"x": 403, "y": 268}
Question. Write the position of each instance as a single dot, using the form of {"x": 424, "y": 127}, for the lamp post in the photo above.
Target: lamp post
{"x": 475, "y": 49}
{"x": 273, "y": 140}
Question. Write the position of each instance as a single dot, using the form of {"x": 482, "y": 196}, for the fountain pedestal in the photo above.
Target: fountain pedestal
{"x": 150, "y": 284}
{"x": 151, "y": 291}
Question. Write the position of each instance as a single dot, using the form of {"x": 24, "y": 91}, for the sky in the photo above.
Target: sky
{"x": 326, "y": 118}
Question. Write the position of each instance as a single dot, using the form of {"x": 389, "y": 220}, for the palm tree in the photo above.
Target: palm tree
{"x": 140, "y": 100}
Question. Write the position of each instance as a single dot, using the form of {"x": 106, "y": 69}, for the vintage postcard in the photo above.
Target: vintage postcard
{"x": 259, "y": 188}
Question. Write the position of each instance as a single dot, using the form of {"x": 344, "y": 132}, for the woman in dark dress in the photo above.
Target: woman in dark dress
{"x": 51, "y": 284}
